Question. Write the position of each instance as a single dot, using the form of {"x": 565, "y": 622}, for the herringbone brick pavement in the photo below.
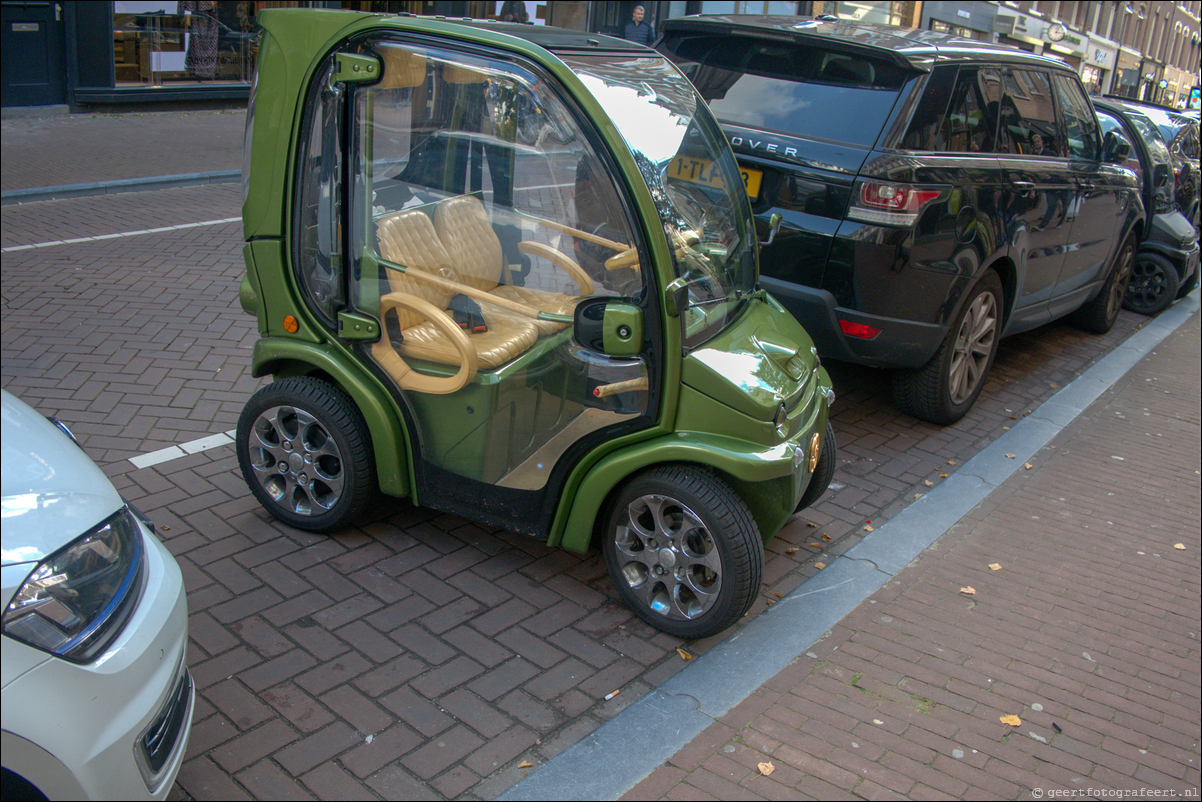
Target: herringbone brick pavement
{"x": 1087, "y": 630}
{"x": 419, "y": 655}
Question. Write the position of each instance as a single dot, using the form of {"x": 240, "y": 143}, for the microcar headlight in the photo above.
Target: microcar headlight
{"x": 781, "y": 421}
{"x": 78, "y": 599}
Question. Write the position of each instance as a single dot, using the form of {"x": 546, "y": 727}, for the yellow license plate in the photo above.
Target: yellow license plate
{"x": 751, "y": 181}
{"x": 703, "y": 171}
{"x": 696, "y": 171}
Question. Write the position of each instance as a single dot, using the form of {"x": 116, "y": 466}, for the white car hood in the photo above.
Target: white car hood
{"x": 50, "y": 491}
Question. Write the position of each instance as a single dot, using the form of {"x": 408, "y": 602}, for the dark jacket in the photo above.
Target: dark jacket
{"x": 642, "y": 32}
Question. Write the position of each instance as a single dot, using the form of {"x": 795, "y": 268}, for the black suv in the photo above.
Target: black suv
{"x": 938, "y": 193}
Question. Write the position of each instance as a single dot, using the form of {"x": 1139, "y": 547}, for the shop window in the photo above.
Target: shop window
{"x": 157, "y": 43}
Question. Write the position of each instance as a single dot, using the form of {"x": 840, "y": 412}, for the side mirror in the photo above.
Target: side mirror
{"x": 1115, "y": 148}
{"x": 609, "y": 326}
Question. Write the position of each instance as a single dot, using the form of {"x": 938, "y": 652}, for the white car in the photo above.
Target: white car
{"x": 97, "y": 699}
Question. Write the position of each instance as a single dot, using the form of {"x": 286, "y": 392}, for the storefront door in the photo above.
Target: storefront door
{"x": 32, "y": 47}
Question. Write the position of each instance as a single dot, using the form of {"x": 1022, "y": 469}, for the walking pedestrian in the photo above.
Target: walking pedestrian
{"x": 637, "y": 30}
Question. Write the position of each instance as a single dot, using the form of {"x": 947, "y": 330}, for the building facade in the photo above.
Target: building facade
{"x": 146, "y": 53}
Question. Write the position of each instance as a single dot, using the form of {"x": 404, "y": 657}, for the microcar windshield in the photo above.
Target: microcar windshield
{"x": 693, "y": 177}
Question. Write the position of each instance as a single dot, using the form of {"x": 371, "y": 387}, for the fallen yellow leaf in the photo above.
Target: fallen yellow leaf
{"x": 827, "y": 537}
{"x": 1028, "y": 466}
{"x": 928, "y": 483}
{"x": 869, "y": 529}
{"x": 778, "y": 595}
{"x": 525, "y": 764}
{"x": 766, "y": 768}
{"x": 814, "y": 545}
{"x": 951, "y": 462}
{"x": 683, "y": 654}
{"x": 812, "y": 525}
{"x": 1012, "y": 720}
{"x": 944, "y": 475}
{"x": 968, "y": 590}
{"x": 1009, "y": 456}
{"x": 820, "y": 566}
{"x": 1180, "y": 546}
{"x": 995, "y": 567}
{"x": 918, "y": 495}
{"x": 792, "y": 550}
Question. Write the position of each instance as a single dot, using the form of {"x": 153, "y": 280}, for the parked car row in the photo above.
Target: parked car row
{"x": 938, "y": 193}
{"x": 1166, "y": 265}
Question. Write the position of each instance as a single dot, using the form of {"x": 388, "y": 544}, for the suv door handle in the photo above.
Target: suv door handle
{"x": 1023, "y": 184}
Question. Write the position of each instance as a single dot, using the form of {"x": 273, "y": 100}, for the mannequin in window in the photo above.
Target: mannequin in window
{"x": 201, "y": 22}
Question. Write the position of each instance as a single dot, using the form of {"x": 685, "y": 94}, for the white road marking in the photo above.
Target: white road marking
{"x": 183, "y": 449}
{"x": 98, "y": 237}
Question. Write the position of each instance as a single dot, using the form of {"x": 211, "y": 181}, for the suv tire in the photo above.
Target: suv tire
{"x": 946, "y": 387}
{"x": 1098, "y": 316}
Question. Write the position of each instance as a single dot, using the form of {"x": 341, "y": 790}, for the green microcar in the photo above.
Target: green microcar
{"x": 510, "y": 272}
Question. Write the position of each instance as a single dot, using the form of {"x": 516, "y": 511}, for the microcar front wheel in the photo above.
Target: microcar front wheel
{"x": 305, "y": 452}
{"x": 683, "y": 551}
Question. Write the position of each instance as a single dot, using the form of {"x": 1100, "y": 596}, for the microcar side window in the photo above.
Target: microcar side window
{"x": 685, "y": 160}
{"x": 319, "y": 202}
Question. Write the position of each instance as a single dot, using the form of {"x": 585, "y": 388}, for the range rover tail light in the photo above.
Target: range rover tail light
{"x": 890, "y": 204}
{"x": 860, "y": 330}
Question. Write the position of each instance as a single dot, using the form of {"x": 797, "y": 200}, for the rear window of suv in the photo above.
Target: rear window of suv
{"x": 790, "y": 87}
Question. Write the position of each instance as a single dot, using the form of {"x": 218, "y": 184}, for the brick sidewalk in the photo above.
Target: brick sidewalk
{"x": 1088, "y": 633}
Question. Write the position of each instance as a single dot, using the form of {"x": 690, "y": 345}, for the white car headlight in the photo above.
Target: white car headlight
{"x": 78, "y": 599}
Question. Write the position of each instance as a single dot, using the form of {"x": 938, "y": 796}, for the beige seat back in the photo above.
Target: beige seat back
{"x": 408, "y": 238}
{"x": 462, "y": 225}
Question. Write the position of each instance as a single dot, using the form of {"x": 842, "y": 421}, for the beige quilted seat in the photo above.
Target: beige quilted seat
{"x": 428, "y": 331}
{"x": 462, "y": 225}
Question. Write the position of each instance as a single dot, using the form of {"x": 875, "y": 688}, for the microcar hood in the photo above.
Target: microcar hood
{"x": 50, "y": 491}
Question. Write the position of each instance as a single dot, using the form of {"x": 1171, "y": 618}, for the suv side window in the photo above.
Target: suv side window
{"x": 971, "y": 122}
{"x": 1028, "y": 115}
{"x": 958, "y": 112}
{"x": 1081, "y": 127}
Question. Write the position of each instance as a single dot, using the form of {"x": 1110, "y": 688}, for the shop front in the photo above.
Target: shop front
{"x": 972, "y": 20}
{"x": 1099, "y": 65}
{"x": 139, "y": 53}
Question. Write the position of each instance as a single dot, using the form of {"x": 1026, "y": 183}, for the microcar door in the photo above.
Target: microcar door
{"x": 481, "y": 213}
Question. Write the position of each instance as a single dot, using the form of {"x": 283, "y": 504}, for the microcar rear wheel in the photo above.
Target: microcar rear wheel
{"x": 683, "y": 551}
{"x": 1153, "y": 284}
{"x": 305, "y": 452}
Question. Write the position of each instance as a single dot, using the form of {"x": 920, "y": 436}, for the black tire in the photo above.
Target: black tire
{"x": 1098, "y": 316}
{"x": 305, "y": 453}
{"x": 824, "y": 471}
{"x": 683, "y": 551}
{"x": 1153, "y": 286}
{"x": 946, "y": 387}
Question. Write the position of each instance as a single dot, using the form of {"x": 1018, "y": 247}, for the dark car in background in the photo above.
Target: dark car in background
{"x": 938, "y": 193}
{"x": 1180, "y": 132}
{"x": 1166, "y": 265}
